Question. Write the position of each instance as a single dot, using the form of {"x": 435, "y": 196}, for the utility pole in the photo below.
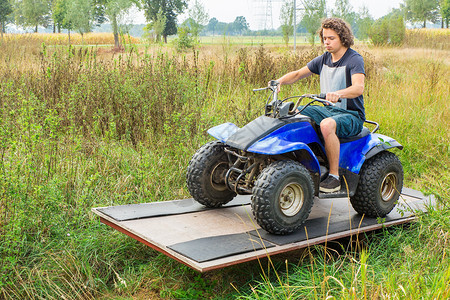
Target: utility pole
{"x": 295, "y": 22}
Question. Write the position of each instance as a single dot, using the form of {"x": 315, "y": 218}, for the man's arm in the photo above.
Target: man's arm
{"x": 353, "y": 91}
{"x": 294, "y": 76}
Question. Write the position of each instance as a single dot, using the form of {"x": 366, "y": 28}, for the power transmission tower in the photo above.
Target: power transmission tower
{"x": 263, "y": 13}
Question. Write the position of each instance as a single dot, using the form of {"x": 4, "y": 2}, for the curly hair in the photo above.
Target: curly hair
{"x": 341, "y": 27}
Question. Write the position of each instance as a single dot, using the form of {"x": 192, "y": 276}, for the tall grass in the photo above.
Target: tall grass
{"x": 389, "y": 264}
{"x": 428, "y": 38}
{"x": 90, "y": 38}
{"x": 80, "y": 128}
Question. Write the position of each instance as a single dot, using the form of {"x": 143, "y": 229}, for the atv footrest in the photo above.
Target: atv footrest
{"x": 340, "y": 194}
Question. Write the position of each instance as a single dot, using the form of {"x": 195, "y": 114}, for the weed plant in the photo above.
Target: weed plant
{"x": 81, "y": 128}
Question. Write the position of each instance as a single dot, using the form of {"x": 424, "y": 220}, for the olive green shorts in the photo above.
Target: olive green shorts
{"x": 348, "y": 121}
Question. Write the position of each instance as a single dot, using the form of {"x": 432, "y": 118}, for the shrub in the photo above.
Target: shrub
{"x": 397, "y": 31}
{"x": 184, "y": 40}
{"x": 388, "y": 31}
{"x": 379, "y": 32}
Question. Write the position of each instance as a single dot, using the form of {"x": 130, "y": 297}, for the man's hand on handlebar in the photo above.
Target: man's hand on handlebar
{"x": 273, "y": 83}
{"x": 327, "y": 99}
{"x": 333, "y": 97}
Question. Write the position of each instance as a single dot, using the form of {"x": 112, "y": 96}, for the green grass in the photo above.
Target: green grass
{"x": 81, "y": 129}
{"x": 390, "y": 263}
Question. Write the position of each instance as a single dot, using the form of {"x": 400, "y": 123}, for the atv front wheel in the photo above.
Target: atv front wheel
{"x": 282, "y": 197}
{"x": 205, "y": 176}
{"x": 380, "y": 185}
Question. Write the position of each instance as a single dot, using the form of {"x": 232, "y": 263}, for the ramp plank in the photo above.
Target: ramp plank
{"x": 156, "y": 209}
{"x": 317, "y": 227}
{"x": 342, "y": 220}
{"x": 210, "y": 239}
{"x": 215, "y": 247}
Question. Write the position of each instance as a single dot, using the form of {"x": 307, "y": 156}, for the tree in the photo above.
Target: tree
{"x": 32, "y": 13}
{"x": 99, "y": 11}
{"x": 222, "y": 27}
{"x": 60, "y": 11}
{"x": 363, "y": 22}
{"x": 344, "y": 10}
{"x": 422, "y": 11}
{"x": 445, "y": 12}
{"x": 240, "y": 24}
{"x": 5, "y": 10}
{"x": 157, "y": 26}
{"x": 79, "y": 16}
{"x": 287, "y": 20}
{"x": 198, "y": 18}
{"x": 115, "y": 10}
{"x": 170, "y": 9}
{"x": 212, "y": 24}
{"x": 312, "y": 16}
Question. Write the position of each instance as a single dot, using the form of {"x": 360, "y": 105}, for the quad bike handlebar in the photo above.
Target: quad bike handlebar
{"x": 282, "y": 109}
{"x": 321, "y": 98}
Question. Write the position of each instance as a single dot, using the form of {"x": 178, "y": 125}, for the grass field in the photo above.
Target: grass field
{"x": 90, "y": 38}
{"x": 86, "y": 127}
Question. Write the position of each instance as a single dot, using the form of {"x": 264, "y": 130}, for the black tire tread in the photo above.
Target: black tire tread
{"x": 366, "y": 200}
{"x": 196, "y": 171}
{"x": 263, "y": 193}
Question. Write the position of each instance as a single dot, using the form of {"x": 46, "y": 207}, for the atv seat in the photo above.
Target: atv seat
{"x": 364, "y": 132}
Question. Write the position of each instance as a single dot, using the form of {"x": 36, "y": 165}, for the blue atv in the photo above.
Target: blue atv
{"x": 279, "y": 158}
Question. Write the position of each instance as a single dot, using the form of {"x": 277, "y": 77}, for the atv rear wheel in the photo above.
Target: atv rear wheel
{"x": 205, "y": 176}
{"x": 282, "y": 197}
{"x": 380, "y": 185}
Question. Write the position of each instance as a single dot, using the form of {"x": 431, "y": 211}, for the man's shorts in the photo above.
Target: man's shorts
{"x": 348, "y": 121}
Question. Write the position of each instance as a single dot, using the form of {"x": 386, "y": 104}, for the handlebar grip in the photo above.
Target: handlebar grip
{"x": 261, "y": 89}
{"x": 324, "y": 96}
{"x": 273, "y": 83}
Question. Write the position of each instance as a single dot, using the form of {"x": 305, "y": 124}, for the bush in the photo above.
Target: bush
{"x": 379, "y": 32}
{"x": 397, "y": 31}
{"x": 388, "y": 31}
{"x": 185, "y": 40}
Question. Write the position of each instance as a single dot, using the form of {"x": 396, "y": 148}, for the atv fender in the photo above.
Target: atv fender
{"x": 354, "y": 154}
{"x": 379, "y": 143}
{"x": 223, "y": 131}
{"x": 274, "y": 146}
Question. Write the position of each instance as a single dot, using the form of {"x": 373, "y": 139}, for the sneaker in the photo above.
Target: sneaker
{"x": 330, "y": 185}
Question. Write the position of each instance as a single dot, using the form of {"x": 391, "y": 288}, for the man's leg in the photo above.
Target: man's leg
{"x": 332, "y": 147}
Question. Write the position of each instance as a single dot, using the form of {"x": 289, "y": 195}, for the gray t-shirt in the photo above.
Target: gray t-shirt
{"x": 337, "y": 76}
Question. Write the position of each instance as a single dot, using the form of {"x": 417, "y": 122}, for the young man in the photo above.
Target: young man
{"x": 342, "y": 74}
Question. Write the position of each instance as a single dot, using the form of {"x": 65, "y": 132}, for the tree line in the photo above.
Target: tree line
{"x": 82, "y": 15}
{"x": 389, "y": 29}
{"x": 161, "y": 16}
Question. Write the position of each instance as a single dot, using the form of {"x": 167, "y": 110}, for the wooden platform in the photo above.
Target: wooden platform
{"x": 207, "y": 239}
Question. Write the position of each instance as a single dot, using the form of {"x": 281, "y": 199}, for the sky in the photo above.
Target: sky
{"x": 228, "y": 10}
